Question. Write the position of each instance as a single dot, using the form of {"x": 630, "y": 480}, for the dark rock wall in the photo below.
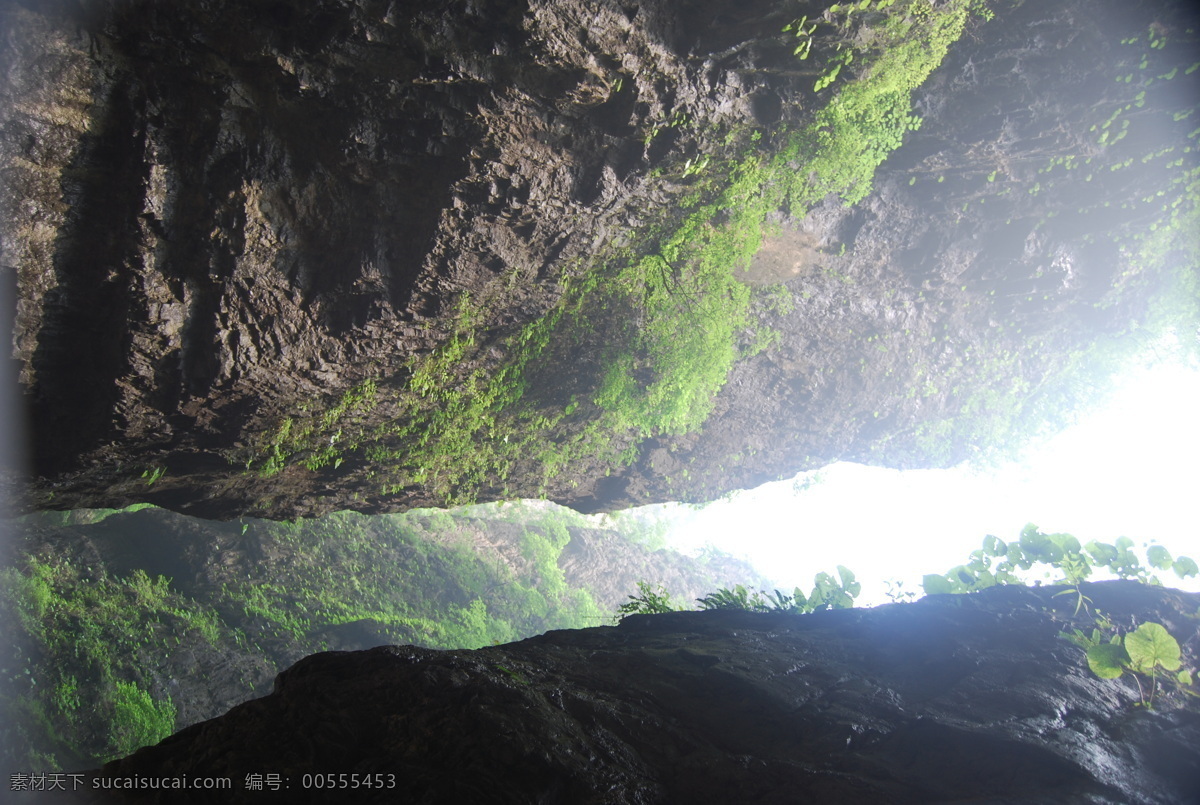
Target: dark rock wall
{"x": 950, "y": 699}
{"x": 219, "y": 211}
{"x": 222, "y": 214}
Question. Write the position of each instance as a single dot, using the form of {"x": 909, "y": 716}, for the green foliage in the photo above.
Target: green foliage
{"x": 153, "y": 474}
{"x": 827, "y": 593}
{"x": 91, "y": 639}
{"x": 736, "y": 598}
{"x": 897, "y": 594}
{"x": 417, "y": 576}
{"x": 475, "y": 628}
{"x": 647, "y": 601}
{"x": 803, "y": 30}
{"x": 870, "y": 115}
{"x": 149, "y": 594}
{"x": 29, "y": 595}
{"x": 137, "y": 720}
{"x": 318, "y": 441}
{"x": 1149, "y": 651}
{"x": 998, "y": 562}
{"x": 675, "y": 316}
{"x": 1107, "y": 660}
{"x": 96, "y": 642}
{"x": 831, "y": 593}
{"x": 1151, "y": 647}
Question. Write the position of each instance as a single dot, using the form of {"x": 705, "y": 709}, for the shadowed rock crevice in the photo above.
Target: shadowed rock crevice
{"x": 83, "y": 340}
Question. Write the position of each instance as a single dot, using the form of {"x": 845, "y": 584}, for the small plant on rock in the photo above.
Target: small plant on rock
{"x": 998, "y": 562}
{"x": 648, "y": 601}
{"x": 739, "y": 597}
{"x": 827, "y": 593}
{"x": 1148, "y": 652}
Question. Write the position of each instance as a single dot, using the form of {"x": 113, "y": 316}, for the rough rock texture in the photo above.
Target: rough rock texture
{"x": 223, "y": 210}
{"x": 223, "y": 214}
{"x": 950, "y": 699}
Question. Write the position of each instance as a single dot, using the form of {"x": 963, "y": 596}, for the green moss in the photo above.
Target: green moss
{"x": 137, "y": 720}
{"x": 82, "y": 688}
{"x": 89, "y": 640}
{"x": 649, "y": 330}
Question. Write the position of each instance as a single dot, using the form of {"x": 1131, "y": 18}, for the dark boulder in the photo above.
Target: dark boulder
{"x": 949, "y": 699}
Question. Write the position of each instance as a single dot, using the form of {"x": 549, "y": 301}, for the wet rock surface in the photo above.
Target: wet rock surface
{"x": 949, "y": 699}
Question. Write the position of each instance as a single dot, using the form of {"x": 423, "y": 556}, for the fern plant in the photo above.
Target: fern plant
{"x": 827, "y": 593}
{"x": 648, "y": 601}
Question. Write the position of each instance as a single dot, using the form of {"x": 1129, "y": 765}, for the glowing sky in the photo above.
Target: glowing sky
{"x": 1129, "y": 468}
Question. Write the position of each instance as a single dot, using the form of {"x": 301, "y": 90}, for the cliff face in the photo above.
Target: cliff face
{"x": 201, "y": 615}
{"x": 948, "y": 699}
{"x": 285, "y": 258}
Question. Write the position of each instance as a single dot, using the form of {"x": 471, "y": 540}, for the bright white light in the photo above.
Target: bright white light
{"x": 1128, "y": 469}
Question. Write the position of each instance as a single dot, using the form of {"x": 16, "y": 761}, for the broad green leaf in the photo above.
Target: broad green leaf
{"x": 1107, "y": 660}
{"x": 994, "y": 546}
{"x": 1007, "y": 577}
{"x": 1040, "y": 547}
{"x": 1151, "y": 645}
{"x": 936, "y": 585}
{"x": 1124, "y": 543}
{"x": 1185, "y": 567}
{"x": 1066, "y": 542}
{"x": 1159, "y": 557}
{"x": 1184, "y": 677}
{"x": 1016, "y": 557}
{"x": 1101, "y": 552}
